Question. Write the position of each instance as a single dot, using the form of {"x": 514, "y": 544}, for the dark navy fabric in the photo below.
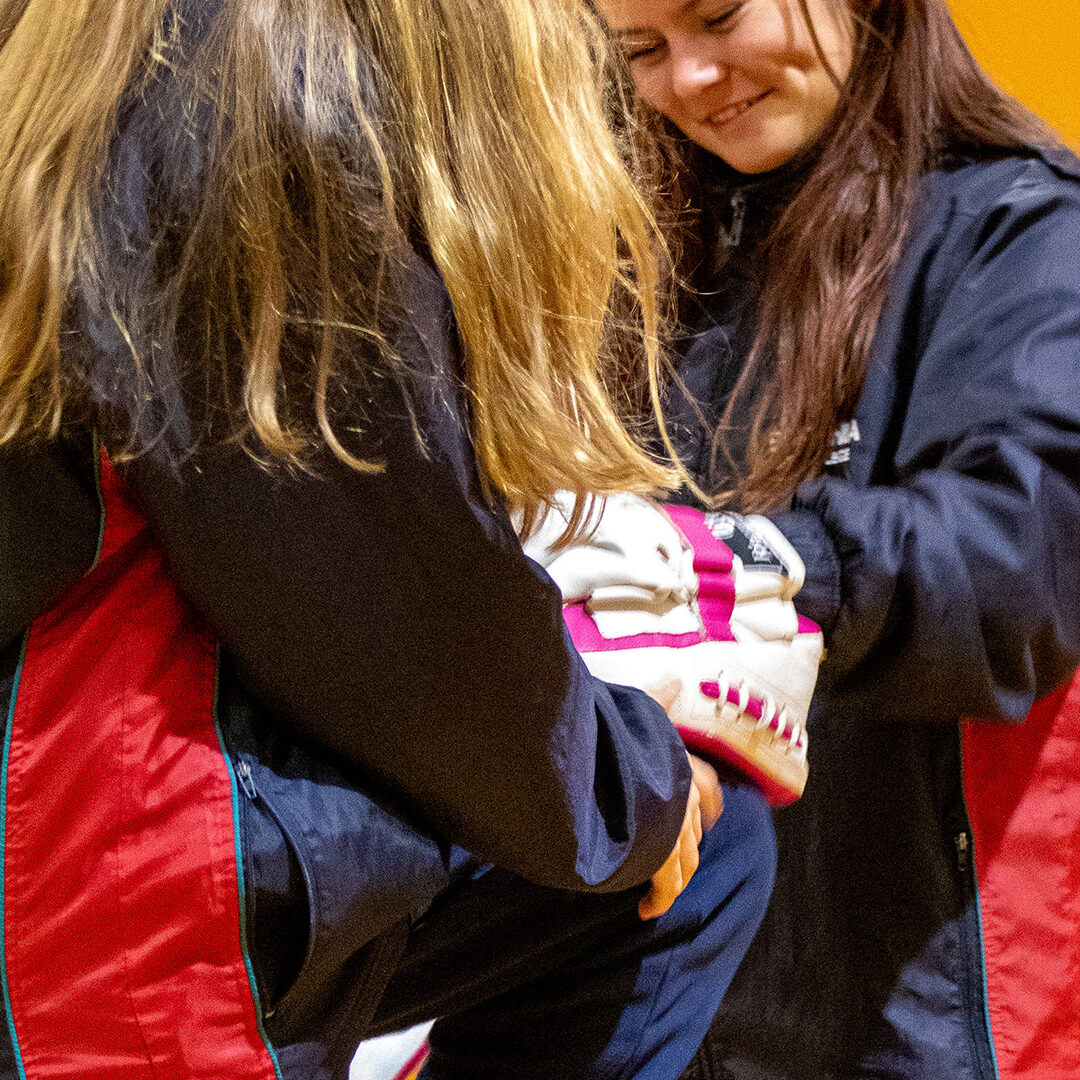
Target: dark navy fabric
{"x": 390, "y": 618}
{"x": 943, "y": 562}
{"x": 50, "y": 520}
{"x": 536, "y": 983}
{"x": 956, "y": 520}
{"x": 330, "y": 881}
{"x": 530, "y": 982}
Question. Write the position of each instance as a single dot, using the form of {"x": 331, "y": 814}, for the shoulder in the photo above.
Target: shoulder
{"x": 985, "y": 299}
{"x": 1036, "y": 189}
{"x": 1013, "y": 218}
{"x": 1033, "y": 173}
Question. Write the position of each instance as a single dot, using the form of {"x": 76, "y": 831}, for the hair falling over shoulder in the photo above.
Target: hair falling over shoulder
{"x": 332, "y": 137}
{"x": 62, "y": 70}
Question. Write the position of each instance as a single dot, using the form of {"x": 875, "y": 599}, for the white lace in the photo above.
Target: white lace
{"x": 783, "y": 728}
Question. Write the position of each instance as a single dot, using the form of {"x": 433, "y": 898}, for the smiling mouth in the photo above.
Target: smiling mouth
{"x": 733, "y": 112}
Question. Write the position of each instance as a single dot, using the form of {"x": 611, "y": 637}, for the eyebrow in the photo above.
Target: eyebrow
{"x": 630, "y": 33}
{"x": 625, "y": 32}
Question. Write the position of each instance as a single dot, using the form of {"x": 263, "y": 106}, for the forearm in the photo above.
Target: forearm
{"x": 951, "y": 595}
{"x": 394, "y": 620}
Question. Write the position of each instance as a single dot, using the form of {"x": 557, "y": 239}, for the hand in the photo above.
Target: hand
{"x": 703, "y": 809}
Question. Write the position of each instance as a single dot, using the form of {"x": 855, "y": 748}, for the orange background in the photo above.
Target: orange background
{"x": 1031, "y": 48}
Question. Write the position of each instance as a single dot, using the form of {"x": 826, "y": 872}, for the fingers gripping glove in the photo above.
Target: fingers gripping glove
{"x": 696, "y": 610}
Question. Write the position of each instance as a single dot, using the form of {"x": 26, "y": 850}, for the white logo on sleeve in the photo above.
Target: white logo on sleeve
{"x": 846, "y": 435}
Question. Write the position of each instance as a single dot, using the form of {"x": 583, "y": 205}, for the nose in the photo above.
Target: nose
{"x": 692, "y": 72}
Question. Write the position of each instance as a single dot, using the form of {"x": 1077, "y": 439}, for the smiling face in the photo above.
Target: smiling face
{"x": 742, "y": 78}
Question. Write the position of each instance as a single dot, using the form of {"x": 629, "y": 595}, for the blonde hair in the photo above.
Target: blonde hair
{"x": 477, "y": 124}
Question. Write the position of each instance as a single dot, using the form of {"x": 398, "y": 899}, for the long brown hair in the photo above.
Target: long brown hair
{"x": 913, "y": 96}
{"x": 300, "y": 152}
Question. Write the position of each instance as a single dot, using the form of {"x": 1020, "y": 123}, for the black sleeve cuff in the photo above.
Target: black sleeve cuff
{"x": 819, "y": 598}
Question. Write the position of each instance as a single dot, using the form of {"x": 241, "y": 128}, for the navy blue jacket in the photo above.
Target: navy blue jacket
{"x": 943, "y": 560}
{"x": 396, "y": 683}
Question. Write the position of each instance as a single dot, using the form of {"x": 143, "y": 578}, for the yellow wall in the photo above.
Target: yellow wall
{"x": 1032, "y": 50}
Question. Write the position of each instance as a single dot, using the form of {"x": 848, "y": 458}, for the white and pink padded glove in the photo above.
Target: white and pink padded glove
{"x": 696, "y": 610}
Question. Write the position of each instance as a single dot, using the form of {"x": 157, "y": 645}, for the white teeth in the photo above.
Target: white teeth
{"x": 728, "y": 114}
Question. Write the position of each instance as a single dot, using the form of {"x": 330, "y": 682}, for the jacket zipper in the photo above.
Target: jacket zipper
{"x": 985, "y": 1055}
{"x": 247, "y": 786}
{"x": 963, "y": 847}
{"x": 246, "y": 779}
{"x": 985, "y": 1062}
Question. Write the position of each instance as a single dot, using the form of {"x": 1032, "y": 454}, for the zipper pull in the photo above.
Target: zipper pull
{"x": 963, "y": 845}
{"x": 247, "y": 781}
{"x": 730, "y": 237}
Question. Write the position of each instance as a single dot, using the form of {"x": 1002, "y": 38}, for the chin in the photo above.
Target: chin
{"x": 755, "y": 164}
{"x": 754, "y": 156}
{"x": 761, "y": 156}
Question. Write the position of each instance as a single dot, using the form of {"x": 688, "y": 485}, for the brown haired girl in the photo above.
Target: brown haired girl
{"x": 294, "y": 297}
{"x": 881, "y": 348}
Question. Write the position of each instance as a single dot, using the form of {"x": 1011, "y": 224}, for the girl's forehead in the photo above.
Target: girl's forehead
{"x": 619, "y": 14}
{"x": 643, "y": 14}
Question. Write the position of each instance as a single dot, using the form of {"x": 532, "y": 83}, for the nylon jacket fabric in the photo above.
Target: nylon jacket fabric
{"x": 397, "y": 671}
{"x": 122, "y": 929}
{"x": 943, "y": 561}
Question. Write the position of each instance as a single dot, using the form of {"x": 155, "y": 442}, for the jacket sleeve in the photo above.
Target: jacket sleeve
{"x": 393, "y": 619}
{"x": 50, "y": 522}
{"x": 950, "y": 586}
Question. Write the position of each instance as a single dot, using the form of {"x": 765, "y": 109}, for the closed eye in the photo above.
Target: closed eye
{"x": 635, "y": 51}
{"x": 721, "y": 19}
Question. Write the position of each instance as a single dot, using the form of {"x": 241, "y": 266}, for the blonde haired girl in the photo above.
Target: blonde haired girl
{"x": 295, "y": 297}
